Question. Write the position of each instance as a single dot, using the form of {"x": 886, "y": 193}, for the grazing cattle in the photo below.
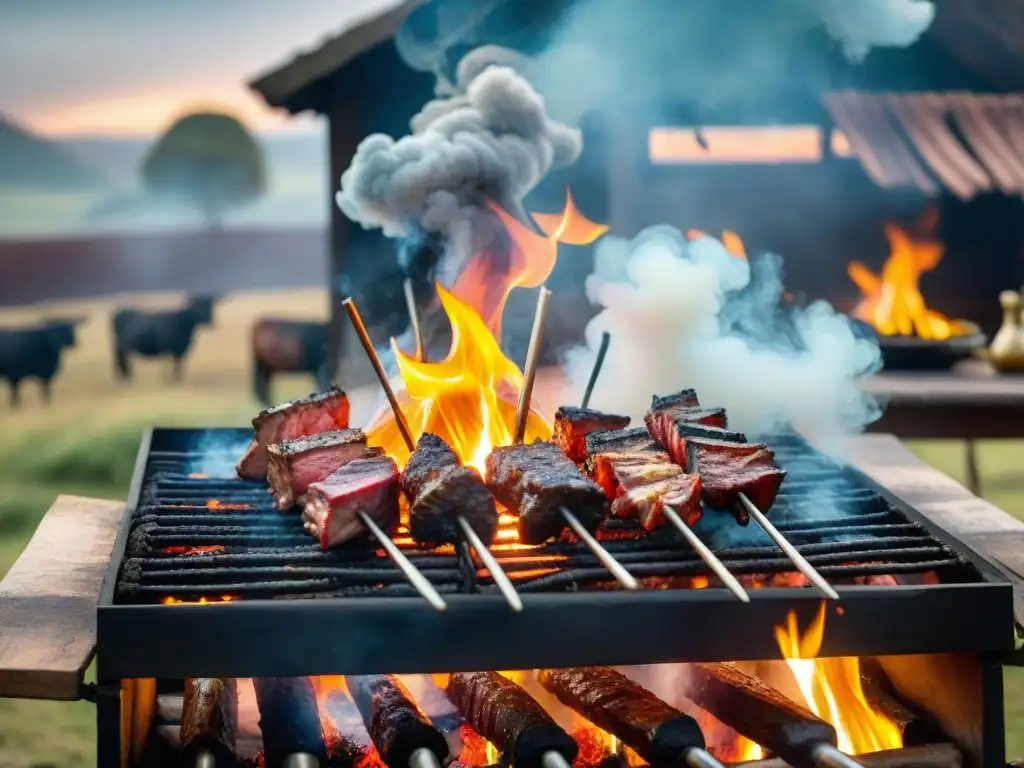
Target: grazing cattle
{"x": 287, "y": 346}
{"x": 158, "y": 333}
{"x": 35, "y": 353}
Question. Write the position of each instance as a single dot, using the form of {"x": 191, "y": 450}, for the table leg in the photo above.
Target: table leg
{"x": 971, "y": 461}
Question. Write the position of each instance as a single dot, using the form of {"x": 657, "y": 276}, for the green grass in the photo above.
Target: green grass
{"x": 99, "y": 463}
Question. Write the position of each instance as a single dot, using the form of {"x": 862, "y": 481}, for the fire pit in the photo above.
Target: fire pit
{"x": 912, "y": 337}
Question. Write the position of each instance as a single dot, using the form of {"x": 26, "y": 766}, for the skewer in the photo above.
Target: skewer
{"x": 499, "y": 576}
{"x": 532, "y": 359}
{"x": 301, "y": 760}
{"x": 205, "y": 759}
{"x": 501, "y": 579}
{"x": 707, "y": 555}
{"x": 606, "y": 339}
{"x": 788, "y": 549}
{"x": 378, "y": 368}
{"x": 412, "y": 573}
{"x": 414, "y": 320}
{"x": 827, "y": 756}
{"x": 624, "y": 577}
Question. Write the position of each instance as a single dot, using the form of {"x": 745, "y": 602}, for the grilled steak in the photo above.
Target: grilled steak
{"x": 364, "y": 485}
{"x": 509, "y": 718}
{"x": 728, "y": 469}
{"x": 632, "y": 440}
{"x": 572, "y": 425}
{"x": 659, "y": 733}
{"x": 662, "y": 423}
{"x": 209, "y": 718}
{"x": 673, "y": 431}
{"x": 396, "y": 725}
{"x": 297, "y": 464}
{"x": 642, "y": 484}
{"x": 313, "y": 414}
{"x": 686, "y": 398}
{"x": 440, "y": 489}
{"x": 534, "y": 481}
{"x": 289, "y": 719}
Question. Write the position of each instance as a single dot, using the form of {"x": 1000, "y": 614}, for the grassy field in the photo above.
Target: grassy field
{"x": 85, "y": 443}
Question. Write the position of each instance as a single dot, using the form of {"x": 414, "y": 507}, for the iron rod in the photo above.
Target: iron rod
{"x": 501, "y": 580}
{"x": 417, "y": 579}
{"x": 614, "y": 566}
{"x": 530, "y": 371}
{"x": 414, "y": 320}
{"x": 707, "y": 555}
{"x": 606, "y": 339}
{"x": 827, "y": 756}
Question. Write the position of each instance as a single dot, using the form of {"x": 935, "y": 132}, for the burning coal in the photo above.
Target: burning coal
{"x": 692, "y": 312}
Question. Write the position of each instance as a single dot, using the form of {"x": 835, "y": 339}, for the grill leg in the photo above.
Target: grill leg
{"x": 971, "y": 466}
{"x": 108, "y": 724}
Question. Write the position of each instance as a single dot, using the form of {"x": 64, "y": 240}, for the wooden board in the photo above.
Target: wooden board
{"x": 972, "y": 382}
{"x": 48, "y": 600}
{"x": 993, "y": 533}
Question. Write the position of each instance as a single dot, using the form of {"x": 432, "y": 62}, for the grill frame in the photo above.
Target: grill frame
{"x": 246, "y": 638}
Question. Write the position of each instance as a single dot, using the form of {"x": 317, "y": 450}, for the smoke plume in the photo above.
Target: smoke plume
{"x": 689, "y": 314}
{"x": 487, "y": 138}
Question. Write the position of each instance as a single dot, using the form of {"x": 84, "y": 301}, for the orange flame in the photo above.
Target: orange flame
{"x": 200, "y": 601}
{"x": 202, "y": 549}
{"x": 832, "y": 689}
{"x": 892, "y": 304}
{"x": 215, "y": 504}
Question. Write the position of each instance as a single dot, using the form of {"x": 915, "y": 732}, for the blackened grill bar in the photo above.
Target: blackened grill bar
{"x": 271, "y": 574}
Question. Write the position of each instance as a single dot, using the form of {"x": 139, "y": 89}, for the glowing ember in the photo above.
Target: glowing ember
{"x": 200, "y": 601}
{"x": 832, "y": 689}
{"x": 893, "y": 304}
{"x": 469, "y": 398}
{"x": 197, "y": 476}
{"x": 203, "y": 549}
{"x": 214, "y": 504}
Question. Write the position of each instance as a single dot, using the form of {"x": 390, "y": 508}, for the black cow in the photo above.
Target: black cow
{"x": 35, "y": 353}
{"x": 161, "y": 333}
{"x": 287, "y": 346}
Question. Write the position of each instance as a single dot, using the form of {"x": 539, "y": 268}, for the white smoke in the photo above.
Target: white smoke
{"x": 688, "y": 315}
{"x": 866, "y": 24}
{"x": 487, "y": 138}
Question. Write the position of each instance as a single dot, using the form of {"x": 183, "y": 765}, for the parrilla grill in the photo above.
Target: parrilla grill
{"x": 267, "y": 569}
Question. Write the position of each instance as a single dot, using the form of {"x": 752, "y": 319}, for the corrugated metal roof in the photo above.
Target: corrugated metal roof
{"x": 967, "y": 143}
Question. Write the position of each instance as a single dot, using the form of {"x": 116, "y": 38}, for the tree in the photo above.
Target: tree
{"x": 209, "y": 160}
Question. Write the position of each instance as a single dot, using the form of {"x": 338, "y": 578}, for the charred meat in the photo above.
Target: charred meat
{"x": 729, "y": 469}
{"x": 397, "y": 726}
{"x": 674, "y": 432}
{"x": 663, "y": 424}
{"x": 297, "y": 464}
{"x": 642, "y": 484}
{"x": 333, "y": 505}
{"x": 209, "y": 718}
{"x": 440, "y": 489}
{"x": 509, "y": 718}
{"x": 316, "y": 413}
{"x": 289, "y": 719}
{"x": 534, "y": 481}
{"x": 686, "y": 398}
{"x": 619, "y": 441}
{"x": 659, "y": 733}
{"x": 572, "y": 425}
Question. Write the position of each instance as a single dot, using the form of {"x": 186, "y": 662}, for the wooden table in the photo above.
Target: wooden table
{"x": 971, "y": 402}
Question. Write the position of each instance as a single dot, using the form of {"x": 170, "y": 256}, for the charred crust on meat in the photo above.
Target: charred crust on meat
{"x": 320, "y": 440}
{"x": 313, "y": 399}
{"x": 706, "y": 431}
{"x": 686, "y": 398}
{"x": 572, "y": 413}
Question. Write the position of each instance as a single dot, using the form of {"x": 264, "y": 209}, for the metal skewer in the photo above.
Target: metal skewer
{"x": 624, "y": 577}
{"x": 707, "y": 556}
{"x": 414, "y": 320}
{"x": 412, "y": 573}
{"x": 553, "y": 760}
{"x": 423, "y": 758}
{"x": 501, "y": 579}
{"x": 827, "y": 756}
{"x": 499, "y": 576}
{"x": 204, "y": 759}
{"x": 300, "y": 760}
{"x": 701, "y": 758}
{"x": 789, "y": 550}
{"x": 606, "y": 339}
{"x": 530, "y": 371}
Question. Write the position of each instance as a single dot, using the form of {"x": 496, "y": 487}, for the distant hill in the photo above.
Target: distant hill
{"x": 30, "y": 162}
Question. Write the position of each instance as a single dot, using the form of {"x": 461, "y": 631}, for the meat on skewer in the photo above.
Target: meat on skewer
{"x": 675, "y": 433}
{"x": 685, "y": 398}
{"x": 289, "y": 721}
{"x": 297, "y": 464}
{"x": 509, "y": 718}
{"x": 658, "y": 732}
{"x": 572, "y": 425}
{"x": 440, "y": 489}
{"x": 403, "y": 735}
{"x": 629, "y": 440}
{"x": 333, "y": 505}
{"x": 535, "y": 481}
{"x": 209, "y": 720}
{"x": 730, "y": 469}
{"x": 761, "y": 713}
{"x": 642, "y": 484}
{"x": 308, "y": 416}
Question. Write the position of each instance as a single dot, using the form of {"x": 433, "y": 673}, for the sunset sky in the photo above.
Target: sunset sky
{"x": 129, "y": 67}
